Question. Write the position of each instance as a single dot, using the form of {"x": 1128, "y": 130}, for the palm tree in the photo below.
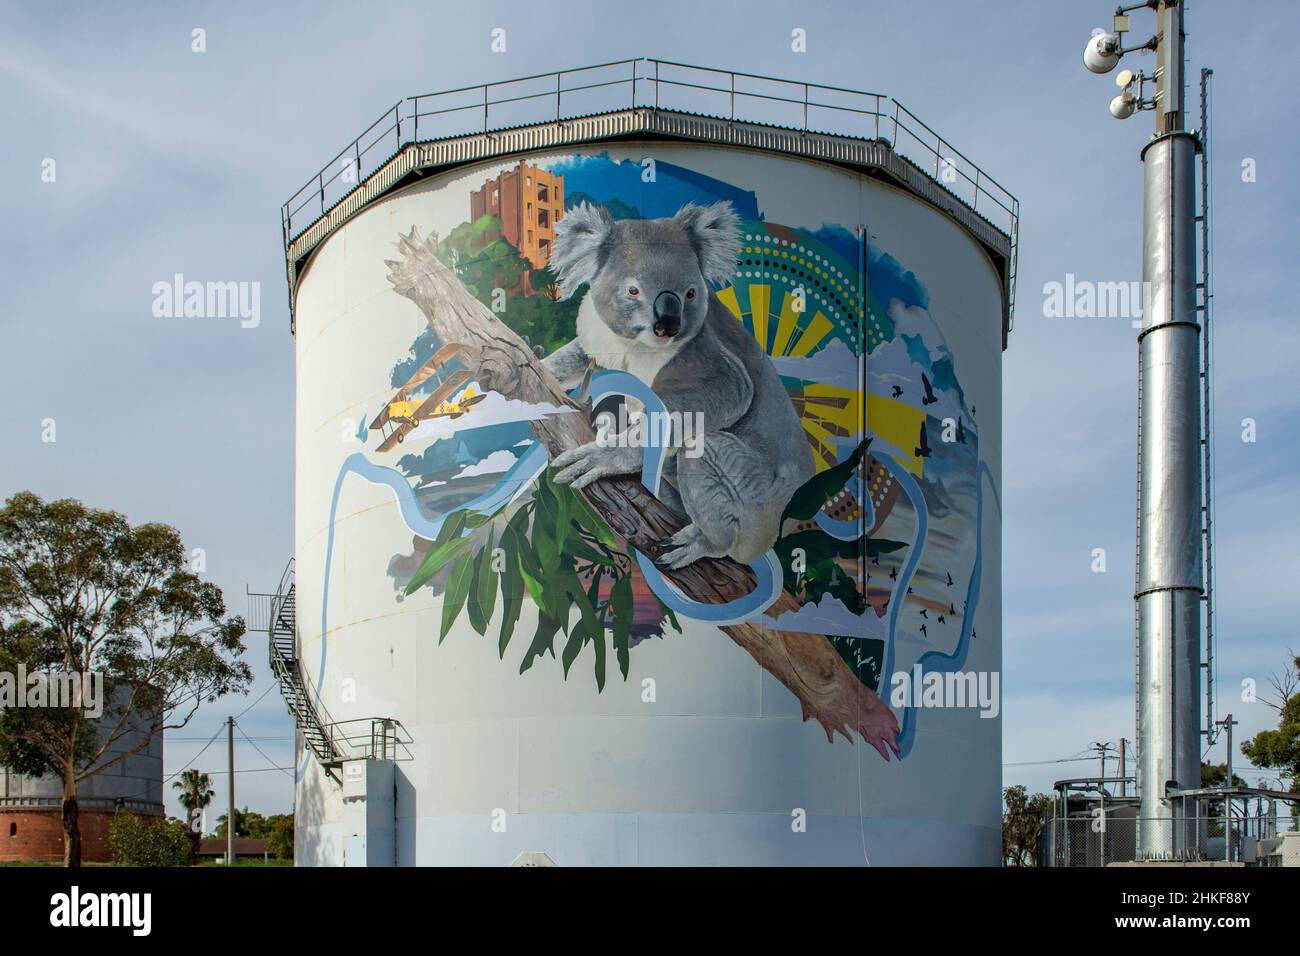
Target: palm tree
{"x": 196, "y": 793}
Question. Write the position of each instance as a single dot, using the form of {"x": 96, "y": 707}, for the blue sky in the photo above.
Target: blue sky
{"x": 170, "y": 161}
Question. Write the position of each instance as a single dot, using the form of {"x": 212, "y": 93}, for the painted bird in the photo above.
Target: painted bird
{"x": 929, "y": 397}
{"x": 923, "y": 449}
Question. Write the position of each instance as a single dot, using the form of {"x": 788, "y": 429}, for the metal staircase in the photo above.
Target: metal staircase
{"x": 282, "y": 644}
{"x": 331, "y": 741}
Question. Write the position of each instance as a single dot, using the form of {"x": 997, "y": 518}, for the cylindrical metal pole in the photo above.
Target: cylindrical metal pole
{"x": 1169, "y": 579}
{"x": 1123, "y": 766}
{"x": 1169, "y": 496}
{"x": 1227, "y": 724}
{"x": 230, "y": 818}
{"x": 1227, "y": 801}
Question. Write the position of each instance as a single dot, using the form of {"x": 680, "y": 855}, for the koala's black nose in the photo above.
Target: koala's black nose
{"x": 668, "y": 315}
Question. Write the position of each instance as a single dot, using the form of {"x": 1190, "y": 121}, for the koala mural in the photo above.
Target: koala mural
{"x": 685, "y": 308}
{"x": 650, "y": 310}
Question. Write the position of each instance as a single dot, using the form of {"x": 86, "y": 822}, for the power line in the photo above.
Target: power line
{"x": 256, "y": 702}
{"x": 222, "y": 773}
{"x": 145, "y": 792}
{"x": 246, "y": 737}
{"x": 188, "y": 763}
{"x": 1039, "y": 763}
{"x": 259, "y": 749}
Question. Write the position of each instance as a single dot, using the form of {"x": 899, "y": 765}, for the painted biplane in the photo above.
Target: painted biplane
{"x": 411, "y": 405}
{"x": 468, "y": 399}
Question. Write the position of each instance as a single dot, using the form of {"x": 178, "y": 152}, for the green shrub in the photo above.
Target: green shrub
{"x": 149, "y": 841}
{"x": 279, "y": 837}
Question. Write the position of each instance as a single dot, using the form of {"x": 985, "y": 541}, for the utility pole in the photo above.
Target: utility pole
{"x": 230, "y": 814}
{"x": 1102, "y": 751}
{"x": 1228, "y": 723}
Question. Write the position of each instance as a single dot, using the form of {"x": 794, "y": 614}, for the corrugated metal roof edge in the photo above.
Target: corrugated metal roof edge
{"x": 449, "y": 152}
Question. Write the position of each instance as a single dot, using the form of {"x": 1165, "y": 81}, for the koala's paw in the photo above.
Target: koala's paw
{"x": 689, "y": 545}
{"x": 586, "y": 463}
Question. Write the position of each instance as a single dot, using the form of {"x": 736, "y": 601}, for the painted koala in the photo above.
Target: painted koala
{"x": 649, "y": 311}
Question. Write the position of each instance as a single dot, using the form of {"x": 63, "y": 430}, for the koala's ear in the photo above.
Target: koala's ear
{"x": 714, "y": 231}
{"x": 580, "y": 240}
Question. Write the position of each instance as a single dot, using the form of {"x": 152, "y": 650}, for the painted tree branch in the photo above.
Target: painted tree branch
{"x": 807, "y": 664}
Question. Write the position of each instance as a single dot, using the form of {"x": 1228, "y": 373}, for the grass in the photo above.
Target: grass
{"x": 248, "y": 861}
{"x": 47, "y": 863}
{"x": 244, "y": 861}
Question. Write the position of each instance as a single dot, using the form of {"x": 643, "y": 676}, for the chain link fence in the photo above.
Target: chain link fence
{"x": 1101, "y": 837}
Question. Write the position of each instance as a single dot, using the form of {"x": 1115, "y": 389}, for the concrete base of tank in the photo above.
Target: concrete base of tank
{"x": 646, "y": 839}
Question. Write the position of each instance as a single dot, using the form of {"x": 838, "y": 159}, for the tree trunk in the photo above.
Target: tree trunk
{"x": 71, "y": 821}
{"x": 807, "y": 664}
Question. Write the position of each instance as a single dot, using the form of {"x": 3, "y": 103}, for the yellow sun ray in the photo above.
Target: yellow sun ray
{"x": 727, "y": 297}
{"x": 786, "y": 324}
{"x": 898, "y": 424}
{"x": 760, "y": 299}
{"x": 812, "y": 336}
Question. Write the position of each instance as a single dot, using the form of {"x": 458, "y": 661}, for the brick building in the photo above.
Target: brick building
{"x": 31, "y": 815}
{"x": 529, "y": 202}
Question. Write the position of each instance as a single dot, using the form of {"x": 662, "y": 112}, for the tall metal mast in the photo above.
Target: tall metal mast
{"x": 1170, "y": 575}
{"x": 1170, "y": 530}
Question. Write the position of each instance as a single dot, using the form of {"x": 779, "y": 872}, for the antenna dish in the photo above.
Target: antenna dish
{"x": 1122, "y": 106}
{"x": 1102, "y": 53}
{"x": 1124, "y": 79}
